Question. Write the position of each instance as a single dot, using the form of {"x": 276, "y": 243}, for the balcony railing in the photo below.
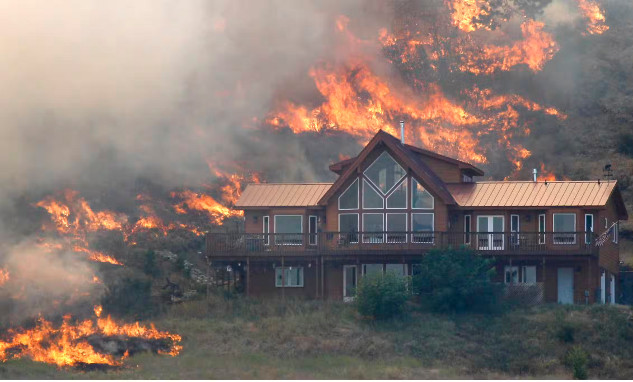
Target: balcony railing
{"x": 226, "y": 244}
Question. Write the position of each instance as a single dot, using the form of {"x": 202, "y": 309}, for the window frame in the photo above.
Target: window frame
{"x": 505, "y": 274}
{"x": 285, "y": 278}
{"x": 413, "y": 189}
{"x": 541, "y": 236}
{"x": 266, "y": 229}
{"x": 377, "y": 234}
{"x": 588, "y": 234}
{"x": 382, "y": 198}
{"x": 554, "y": 237}
{"x": 313, "y": 235}
{"x": 514, "y": 234}
{"x": 399, "y": 235}
{"x": 286, "y": 233}
{"x": 432, "y": 232}
{"x": 357, "y": 197}
{"x": 616, "y": 232}
{"x": 404, "y": 182}
{"x": 349, "y": 233}
{"x": 522, "y": 275}
{"x": 491, "y": 234}
{"x": 467, "y": 229}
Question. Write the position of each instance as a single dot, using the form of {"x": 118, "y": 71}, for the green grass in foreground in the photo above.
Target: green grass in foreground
{"x": 259, "y": 339}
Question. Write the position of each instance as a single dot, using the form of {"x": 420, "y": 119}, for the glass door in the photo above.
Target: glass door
{"x": 349, "y": 282}
{"x": 490, "y": 237}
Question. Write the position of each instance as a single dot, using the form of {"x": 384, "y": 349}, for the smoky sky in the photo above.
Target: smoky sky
{"x": 93, "y": 91}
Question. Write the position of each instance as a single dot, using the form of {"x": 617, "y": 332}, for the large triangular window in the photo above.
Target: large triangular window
{"x": 385, "y": 173}
{"x": 398, "y": 197}
{"x": 349, "y": 198}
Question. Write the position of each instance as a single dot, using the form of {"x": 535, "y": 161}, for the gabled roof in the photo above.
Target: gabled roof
{"x": 435, "y": 185}
{"x": 341, "y": 166}
{"x": 282, "y": 195}
{"x": 537, "y": 194}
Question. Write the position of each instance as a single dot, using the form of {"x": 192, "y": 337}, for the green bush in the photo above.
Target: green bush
{"x": 150, "y": 267}
{"x": 457, "y": 280}
{"x": 129, "y": 297}
{"x": 382, "y": 296}
{"x": 577, "y": 360}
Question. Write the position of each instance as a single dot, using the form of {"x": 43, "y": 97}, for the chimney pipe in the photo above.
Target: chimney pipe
{"x": 402, "y": 132}
{"x": 535, "y": 173}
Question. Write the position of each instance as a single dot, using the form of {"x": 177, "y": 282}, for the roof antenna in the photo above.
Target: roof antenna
{"x": 607, "y": 172}
{"x": 402, "y": 132}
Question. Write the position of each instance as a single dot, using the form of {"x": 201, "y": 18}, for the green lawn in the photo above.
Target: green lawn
{"x": 240, "y": 339}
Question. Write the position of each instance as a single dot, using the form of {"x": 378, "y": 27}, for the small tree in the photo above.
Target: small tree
{"x": 382, "y": 296}
{"x": 457, "y": 280}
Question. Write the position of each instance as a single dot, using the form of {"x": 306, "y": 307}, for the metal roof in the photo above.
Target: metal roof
{"x": 532, "y": 194}
{"x": 282, "y": 194}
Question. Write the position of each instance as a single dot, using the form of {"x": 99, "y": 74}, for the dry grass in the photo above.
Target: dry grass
{"x": 255, "y": 339}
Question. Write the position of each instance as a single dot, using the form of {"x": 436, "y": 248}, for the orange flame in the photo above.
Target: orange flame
{"x": 4, "y": 276}
{"x": 192, "y": 201}
{"x": 67, "y": 345}
{"x": 596, "y": 21}
{"x": 545, "y": 175}
{"x": 535, "y": 50}
{"x": 464, "y": 14}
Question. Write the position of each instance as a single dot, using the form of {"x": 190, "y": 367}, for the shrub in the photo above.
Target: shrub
{"x": 457, "y": 280}
{"x": 382, "y": 296}
{"x": 130, "y": 296}
{"x": 150, "y": 267}
{"x": 577, "y": 360}
{"x": 566, "y": 332}
{"x": 625, "y": 144}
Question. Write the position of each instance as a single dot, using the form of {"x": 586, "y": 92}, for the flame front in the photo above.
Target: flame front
{"x": 67, "y": 345}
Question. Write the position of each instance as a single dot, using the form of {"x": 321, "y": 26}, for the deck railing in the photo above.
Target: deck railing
{"x": 225, "y": 244}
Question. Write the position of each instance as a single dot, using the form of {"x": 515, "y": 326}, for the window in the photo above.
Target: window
{"x": 293, "y": 277}
{"x": 396, "y": 223}
{"x": 398, "y": 269}
{"x": 348, "y": 227}
{"x": 490, "y": 237}
{"x": 289, "y": 229}
{"x": 564, "y": 228}
{"x": 514, "y": 229}
{"x": 616, "y": 232}
{"x": 385, "y": 172}
{"x": 416, "y": 269}
{"x": 422, "y": 225}
{"x": 312, "y": 229}
{"x": 466, "y": 229}
{"x": 372, "y": 269}
{"x": 420, "y": 198}
{"x": 541, "y": 229}
{"x": 349, "y": 198}
{"x": 606, "y": 223}
{"x": 528, "y": 274}
{"x": 588, "y": 228}
{"x": 398, "y": 197}
{"x": 373, "y": 223}
{"x": 511, "y": 275}
{"x": 371, "y": 198}
{"x": 266, "y": 229}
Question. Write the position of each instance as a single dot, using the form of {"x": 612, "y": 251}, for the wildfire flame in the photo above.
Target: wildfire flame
{"x": 4, "y": 276}
{"x": 192, "y": 201}
{"x": 67, "y": 345}
{"x": 596, "y": 21}
{"x": 464, "y": 14}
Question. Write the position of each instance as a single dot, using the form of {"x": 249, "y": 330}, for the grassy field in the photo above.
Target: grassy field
{"x": 249, "y": 339}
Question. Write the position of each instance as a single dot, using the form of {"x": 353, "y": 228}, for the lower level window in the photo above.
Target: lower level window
{"x": 293, "y": 277}
{"x": 511, "y": 275}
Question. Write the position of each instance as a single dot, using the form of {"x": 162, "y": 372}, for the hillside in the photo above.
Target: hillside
{"x": 239, "y": 339}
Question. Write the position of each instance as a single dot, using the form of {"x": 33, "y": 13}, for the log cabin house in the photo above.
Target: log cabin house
{"x": 394, "y": 202}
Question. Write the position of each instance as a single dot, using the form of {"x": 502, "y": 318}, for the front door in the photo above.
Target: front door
{"x": 565, "y": 285}
{"x": 490, "y": 237}
{"x": 349, "y": 282}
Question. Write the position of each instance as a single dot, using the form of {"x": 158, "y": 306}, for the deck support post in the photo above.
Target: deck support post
{"x": 248, "y": 276}
{"x": 322, "y": 280}
{"x": 588, "y": 295}
{"x": 316, "y": 277}
{"x": 283, "y": 280}
{"x": 544, "y": 283}
{"x": 208, "y": 276}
